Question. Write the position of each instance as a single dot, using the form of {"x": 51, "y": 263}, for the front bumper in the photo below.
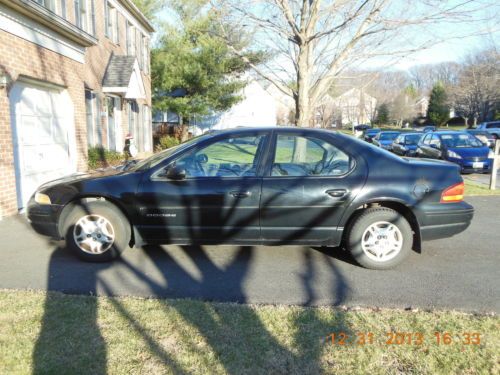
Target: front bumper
{"x": 467, "y": 166}
{"x": 445, "y": 220}
{"x": 44, "y": 218}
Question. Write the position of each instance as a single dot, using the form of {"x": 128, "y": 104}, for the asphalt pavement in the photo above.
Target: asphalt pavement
{"x": 459, "y": 273}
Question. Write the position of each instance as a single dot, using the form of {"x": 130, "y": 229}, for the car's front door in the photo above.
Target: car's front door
{"x": 423, "y": 149}
{"x": 217, "y": 200}
{"x": 435, "y": 151}
{"x": 308, "y": 183}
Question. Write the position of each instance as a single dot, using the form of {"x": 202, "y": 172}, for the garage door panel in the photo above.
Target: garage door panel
{"x": 42, "y": 120}
{"x": 45, "y": 158}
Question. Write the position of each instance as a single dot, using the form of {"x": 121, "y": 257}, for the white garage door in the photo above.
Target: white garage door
{"x": 42, "y": 122}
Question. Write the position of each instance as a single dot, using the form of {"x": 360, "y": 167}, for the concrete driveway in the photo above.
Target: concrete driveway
{"x": 483, "y": 179}
{"x": 458, "y": 273}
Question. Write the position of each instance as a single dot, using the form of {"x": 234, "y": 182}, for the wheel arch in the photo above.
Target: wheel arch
{"x": 395, "y": 204}
{"x": 89, "y": 198}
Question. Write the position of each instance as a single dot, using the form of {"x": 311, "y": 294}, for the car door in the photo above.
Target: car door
{"x": 424, "y": 146}
{"x": 216, "y": 202}
{"x": 307, "y": 185}
{"x": 434, "y": 148}
{"x": 397, "y": 145}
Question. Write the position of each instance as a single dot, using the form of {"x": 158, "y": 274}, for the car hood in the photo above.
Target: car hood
{"x": 471, "y": 152}
{"x": 81, "y": 176}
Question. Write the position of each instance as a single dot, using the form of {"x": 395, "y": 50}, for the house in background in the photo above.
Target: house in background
{"x": 421, "y": 106}
{"x": 256, "y": 109}
{"x": 73, "y": 74}
{"x": 354, "y": 107}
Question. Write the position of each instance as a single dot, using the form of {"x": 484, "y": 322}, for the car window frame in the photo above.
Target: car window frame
{"x": 269, "y": 161}
{"x": 195, "y": 148}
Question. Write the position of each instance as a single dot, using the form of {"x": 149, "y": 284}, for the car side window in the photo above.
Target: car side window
{"x": 427, "y": 139}
{"x": 229, "y": 157}
{"x": 435, "y": 141}
{"x": 400, "y": 139}
{"x": 306, "y": 156}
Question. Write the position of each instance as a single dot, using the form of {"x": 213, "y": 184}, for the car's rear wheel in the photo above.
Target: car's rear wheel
{"x": 96, "y": 231}
{"x": 379, "y": 238}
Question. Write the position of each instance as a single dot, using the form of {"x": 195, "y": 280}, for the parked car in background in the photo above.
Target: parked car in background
{"x": 406, "y": 144}
{"x": 370, "y": 134}
{"x": 492, "y": 127}
{"x": 486, "y": 138}
{"x": 429, "y": 128}
{"x": 458, "y": 147}
{"x": 360, "y": 129}
{"x": 384, "y": 139}
{"x": 249, "y": 186}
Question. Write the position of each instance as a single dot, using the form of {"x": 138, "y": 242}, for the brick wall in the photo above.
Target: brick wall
{"x": 20, "y": 57}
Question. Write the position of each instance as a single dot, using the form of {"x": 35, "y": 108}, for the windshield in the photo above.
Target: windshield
{"x": 159, "y": 157}
{"x": 460, "y": 141}
{"x": 388, "y": 136}
{"x": 412, "y": 139}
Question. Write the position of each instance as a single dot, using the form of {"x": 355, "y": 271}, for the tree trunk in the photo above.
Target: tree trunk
{"x": 184, "y": 133}
{"x": 303, "y": 110}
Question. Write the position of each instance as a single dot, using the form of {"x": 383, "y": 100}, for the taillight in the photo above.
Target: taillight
{"x": 454, "y": 193}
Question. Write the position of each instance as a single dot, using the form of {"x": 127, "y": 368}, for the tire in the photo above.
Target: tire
{"x": 114, "y": 231}
{"x": 398, "y": 242}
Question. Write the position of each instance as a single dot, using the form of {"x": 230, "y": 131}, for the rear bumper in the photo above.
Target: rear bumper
{"x": 445, "y": 220}
{"x": 44, "y": 218}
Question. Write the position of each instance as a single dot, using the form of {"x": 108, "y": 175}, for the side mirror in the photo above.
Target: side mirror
{"x": 176, "y": 173}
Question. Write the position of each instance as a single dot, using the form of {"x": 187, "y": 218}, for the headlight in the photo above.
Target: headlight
{"x": 453, "y": 154}
{"x": 42, "y": 198}
{"x": 491, "y": 154}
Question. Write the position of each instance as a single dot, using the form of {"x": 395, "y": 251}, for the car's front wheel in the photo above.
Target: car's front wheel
{"x": 96, "y": 231}
{"x": 379, "y": 238}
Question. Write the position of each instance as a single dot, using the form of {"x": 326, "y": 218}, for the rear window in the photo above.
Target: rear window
{"x": 493, "y": 125}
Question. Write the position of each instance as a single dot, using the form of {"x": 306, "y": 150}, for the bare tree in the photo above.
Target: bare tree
{"x": 423, "y": 77}
{"x": 313, "y": 42}
{"x": 477, "y": 91}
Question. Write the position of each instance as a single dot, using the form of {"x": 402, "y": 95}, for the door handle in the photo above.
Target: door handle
{"x": 240, "y": 194}
{"x": 337, "y": 193}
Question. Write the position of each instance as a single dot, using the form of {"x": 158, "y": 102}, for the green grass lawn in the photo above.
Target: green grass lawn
{"x": 472, "y": 188}
{"x": 62, "y": 334}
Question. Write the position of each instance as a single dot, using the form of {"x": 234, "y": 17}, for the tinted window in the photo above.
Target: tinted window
{"x": 229, "y": 157}
{"x": 412, "y": 139}
{"x": 460, "y": 140}
{"x": 301, "y": 156}
{"x": 388, "y": 136}
{"x": 494, "y": 125}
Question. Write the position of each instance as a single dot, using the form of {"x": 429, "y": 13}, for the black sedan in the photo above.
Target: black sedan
{"x": 259, "y": 186}
{"x": 406, "y": 144}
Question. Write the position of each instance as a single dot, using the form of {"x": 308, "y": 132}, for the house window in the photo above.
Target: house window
{"x": 111, "y": 27}
{"x": 56, "y": 6}
{"x": 133, "y": 110}
{"x": 85, "y": 15}
{"x": 89, "y": 108}
{"x": 130, "y": 33}
{"x": 148, "y": 136}
{"x": 93, "y": 118}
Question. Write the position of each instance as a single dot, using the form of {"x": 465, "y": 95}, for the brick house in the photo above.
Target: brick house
{"x": 73, "y": 74}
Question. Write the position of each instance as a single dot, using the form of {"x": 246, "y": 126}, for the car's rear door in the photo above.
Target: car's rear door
{"x": 218, "y": 201}
{"x": 308, "y": 183}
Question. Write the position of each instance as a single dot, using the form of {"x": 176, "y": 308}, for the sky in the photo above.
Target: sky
{"x": 455, "y": 47}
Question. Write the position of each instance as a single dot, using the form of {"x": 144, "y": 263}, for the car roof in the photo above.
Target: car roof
{"x": 449, "y": 132}
{"x": 298, "y": 129}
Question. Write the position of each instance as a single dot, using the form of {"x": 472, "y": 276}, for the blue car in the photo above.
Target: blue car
{"x": 461, "y": 148}
{"x": 384, "y": 139}
{"x": 406, "y": 144}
